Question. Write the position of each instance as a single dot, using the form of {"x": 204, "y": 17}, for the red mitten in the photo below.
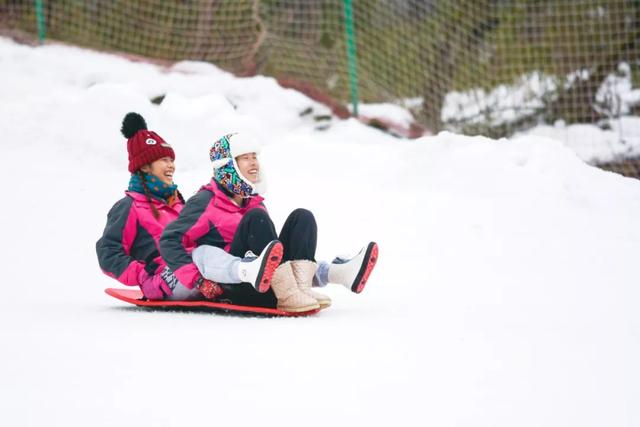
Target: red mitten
{"x": 210, "y": 290}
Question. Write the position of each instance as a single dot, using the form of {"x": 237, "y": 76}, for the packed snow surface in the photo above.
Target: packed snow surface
{"x": 506, "y": 293}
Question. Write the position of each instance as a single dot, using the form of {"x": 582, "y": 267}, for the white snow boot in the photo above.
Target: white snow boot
{"x": 259, "y": 271}
{"x": 353, "y": 273}
{"x": 304, "y": 270}
{"x": 290, "y": 298}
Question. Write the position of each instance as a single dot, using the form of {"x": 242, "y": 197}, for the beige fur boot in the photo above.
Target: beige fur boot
{"x": 290, "y": 298}
{"x": 304, "y": 270}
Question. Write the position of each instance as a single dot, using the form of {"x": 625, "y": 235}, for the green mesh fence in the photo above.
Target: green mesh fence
{"x": 491, "y": 67}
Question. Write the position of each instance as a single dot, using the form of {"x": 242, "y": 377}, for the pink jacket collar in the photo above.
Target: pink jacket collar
{"x": 142, "y": 198}
{"x": 223, "y": 201}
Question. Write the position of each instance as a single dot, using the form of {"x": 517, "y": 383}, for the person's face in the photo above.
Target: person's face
{"x": 249, "y": 166}
{"x": 162, "y": 168}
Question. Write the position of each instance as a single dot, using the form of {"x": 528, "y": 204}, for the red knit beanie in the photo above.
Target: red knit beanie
{"x": 144, "y": 146}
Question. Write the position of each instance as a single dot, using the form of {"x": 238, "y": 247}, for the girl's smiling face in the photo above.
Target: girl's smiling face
{"x": 249, "y": 166}
{"x": 162, "y": 168}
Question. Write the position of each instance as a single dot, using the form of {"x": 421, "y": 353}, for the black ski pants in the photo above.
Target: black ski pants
{"x": 299, "y": 236}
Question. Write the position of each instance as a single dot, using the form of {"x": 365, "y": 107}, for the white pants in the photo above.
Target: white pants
{"x": 182, "y": 293}
{"x": 214, "y": 264}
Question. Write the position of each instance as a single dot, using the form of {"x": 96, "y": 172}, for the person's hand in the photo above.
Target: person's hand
{"x": 209, "y": 289}
{"x": 153, "y": 286}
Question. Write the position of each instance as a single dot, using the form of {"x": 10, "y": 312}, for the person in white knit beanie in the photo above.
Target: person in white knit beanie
{"x": 227, "y": 222}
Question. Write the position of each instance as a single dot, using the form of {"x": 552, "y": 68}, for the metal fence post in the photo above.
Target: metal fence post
{"x": 40, "y": 20}
{"x": 351, "y": 54}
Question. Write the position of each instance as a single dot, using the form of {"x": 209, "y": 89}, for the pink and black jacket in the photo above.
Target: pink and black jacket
{"x": 210, "y": 217}
{"x": 130, "y": 241}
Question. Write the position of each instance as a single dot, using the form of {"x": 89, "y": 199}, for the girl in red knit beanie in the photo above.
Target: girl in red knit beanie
{"x": 128, "y": 249}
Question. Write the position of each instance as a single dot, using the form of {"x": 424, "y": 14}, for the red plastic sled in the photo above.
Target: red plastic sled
{"x": 134, "y": 296}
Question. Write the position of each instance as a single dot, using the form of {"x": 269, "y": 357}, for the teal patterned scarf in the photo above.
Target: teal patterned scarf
{"x": 157, "y": 188}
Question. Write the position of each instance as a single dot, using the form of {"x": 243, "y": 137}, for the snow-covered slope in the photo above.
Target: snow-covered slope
{"x": 506, "y": 293}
